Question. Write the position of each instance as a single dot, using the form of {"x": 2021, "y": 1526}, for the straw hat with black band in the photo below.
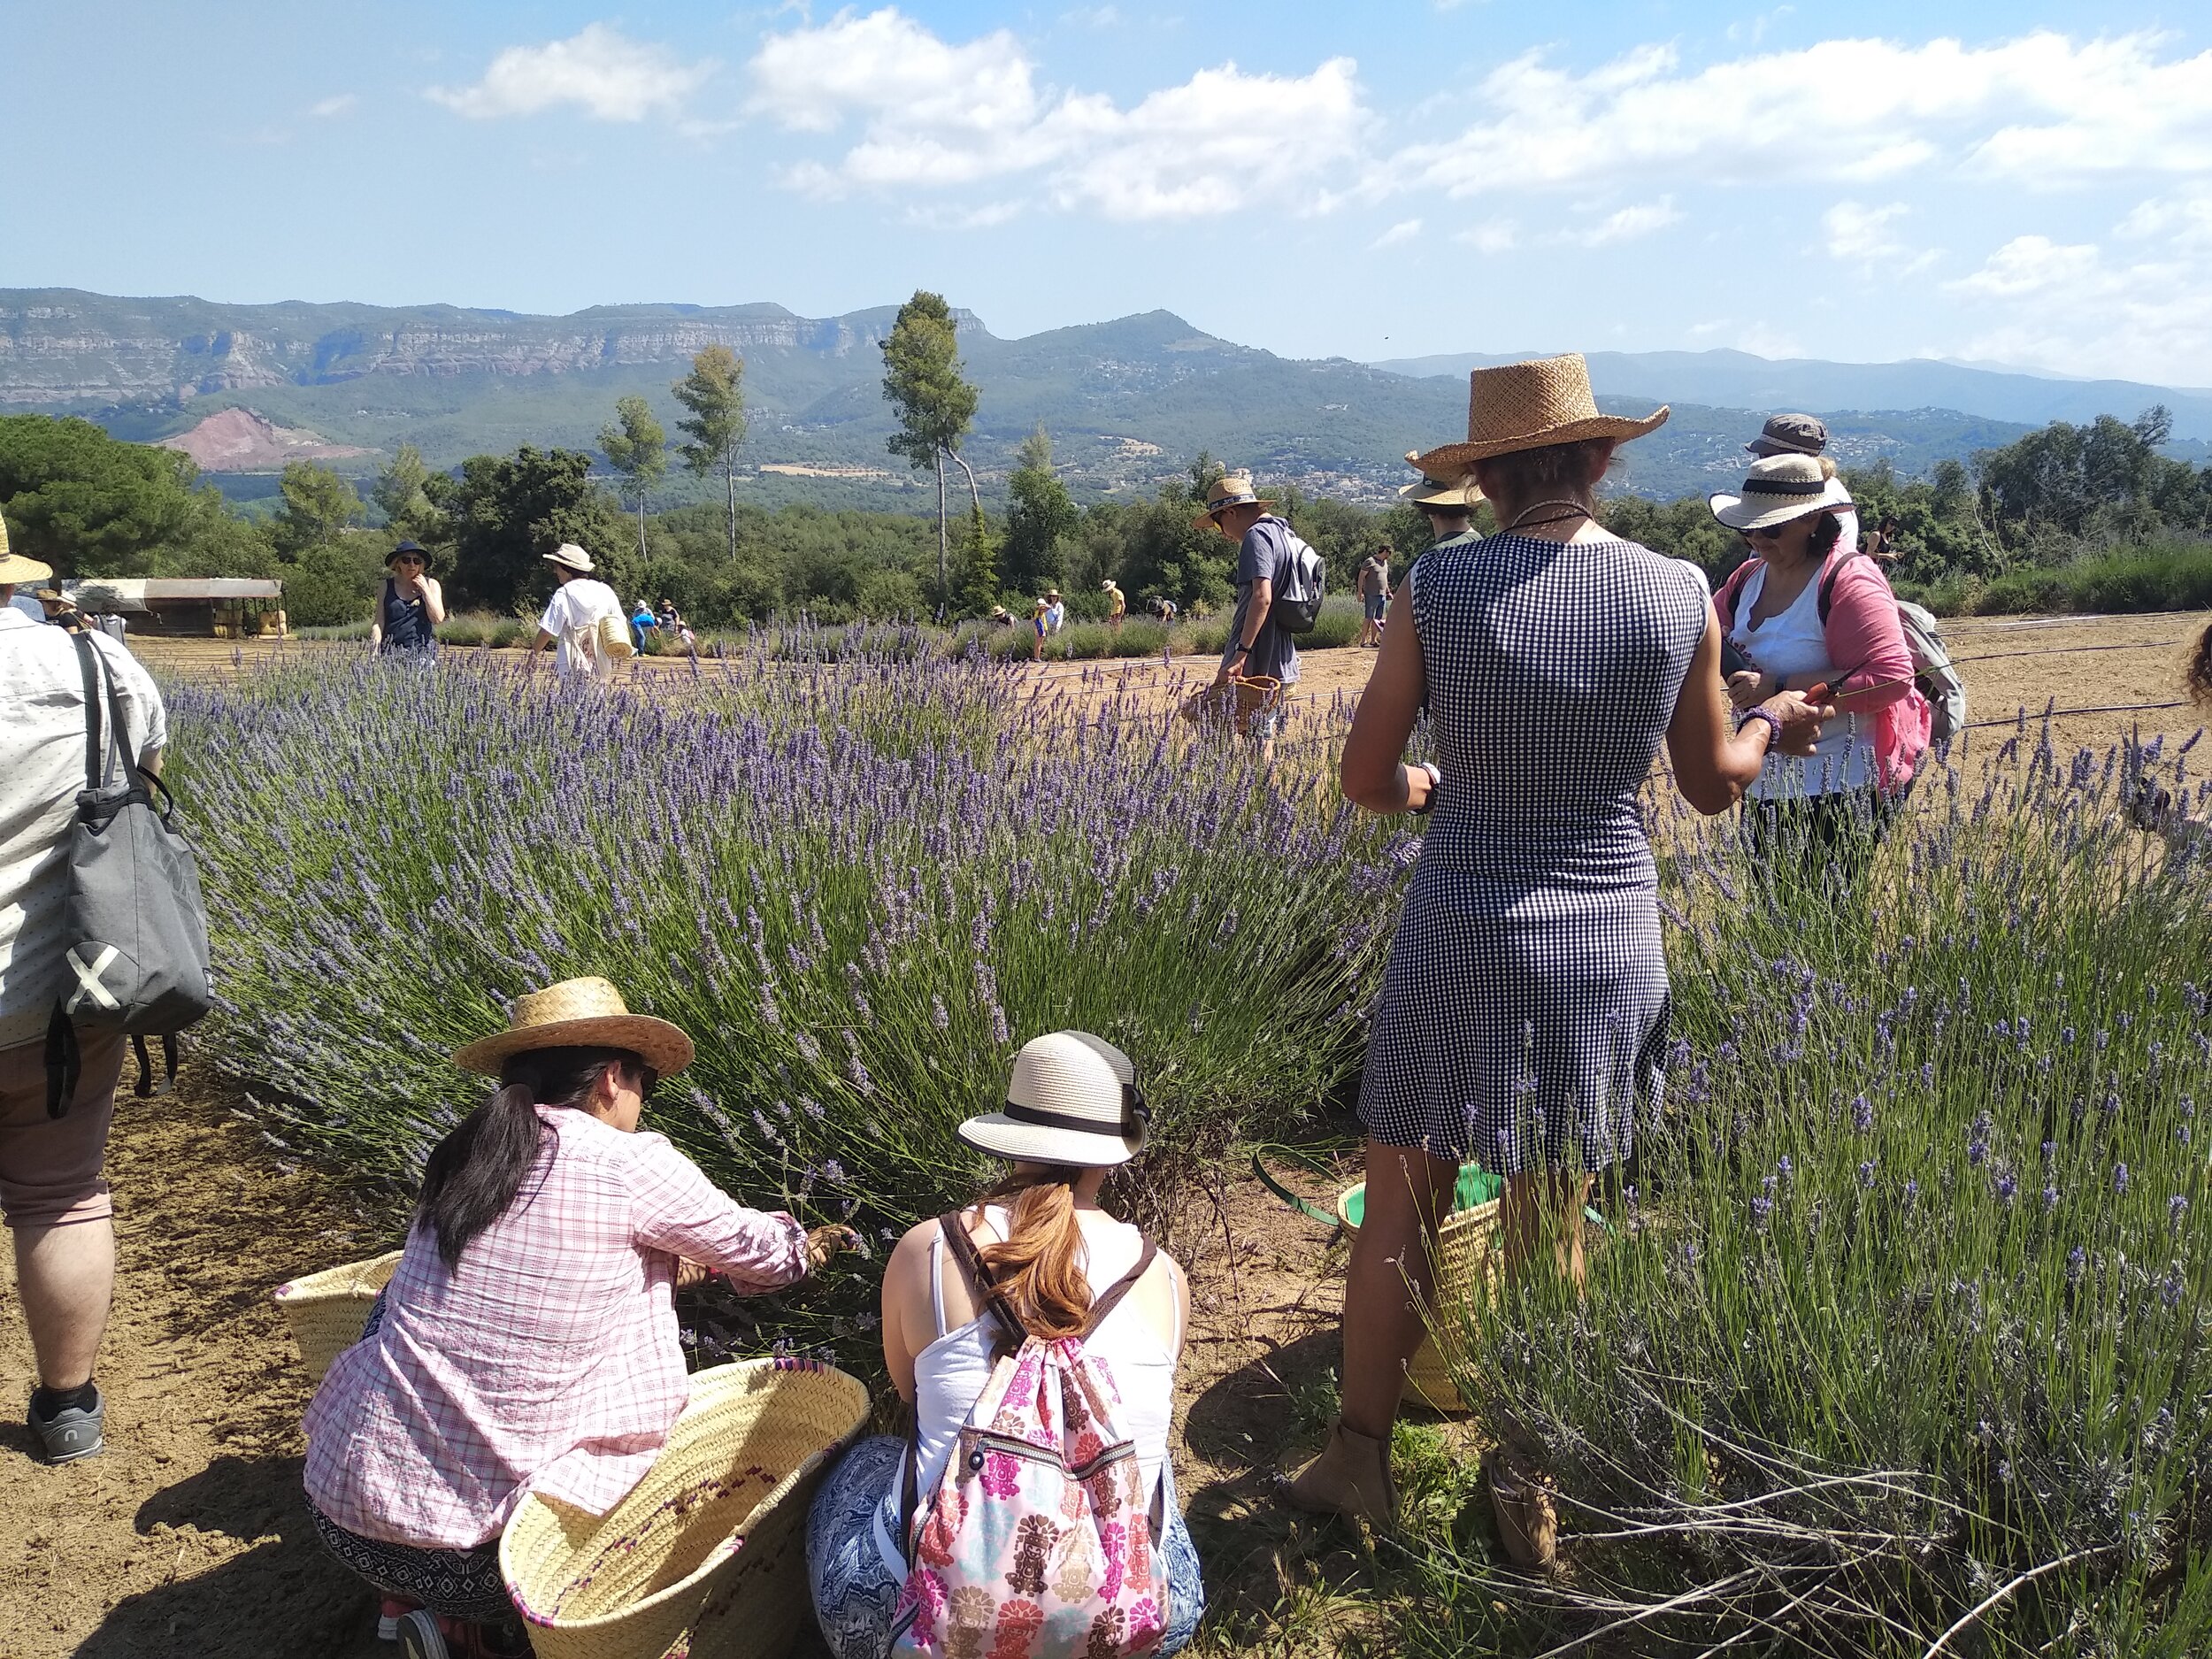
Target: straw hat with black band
{"x": 15, "y": 568}
{"x": 585, "y": 1013}
{"x": 1463, "y": 496}
{"x": 1074, "y": 1102}
{"x": 1230, "y": 489}
{"x": 1778, "y": 489}
{"x": 1519, "y": 406}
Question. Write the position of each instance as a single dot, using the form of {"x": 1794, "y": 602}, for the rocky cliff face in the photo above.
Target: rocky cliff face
{"x": 61, "y": 346}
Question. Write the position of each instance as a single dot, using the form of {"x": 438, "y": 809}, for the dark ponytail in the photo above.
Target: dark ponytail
{"x": 475, "y": 1173}
{"x": 2201, "y": 669}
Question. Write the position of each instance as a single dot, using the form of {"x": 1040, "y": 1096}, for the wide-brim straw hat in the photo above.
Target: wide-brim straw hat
{"x": 1779, "y": 488}
{"x": 1230, "y": 489}
{"x": 1463, "y": 496}
{"x": 1530, "y": 406}
{"x": 15, "y": 569}
{"x": 1068, "y": 1104}
{"x": 568, "y": 555}
{"x": 586, "y": 1013}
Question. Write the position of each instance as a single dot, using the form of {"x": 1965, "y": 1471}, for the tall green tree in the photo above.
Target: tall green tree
{"x": 636, "y": 447}
{"x": 714, "y": 392}
{"x": 401, "y": 494}
{"x": 508, "y": 511}
{"x": 92, "y": 506}
{"x": 979, "y": 565}
{"x": 318, "y": 505}
{"x": 934, "y": 404}
{"x": 1040, "y": 518}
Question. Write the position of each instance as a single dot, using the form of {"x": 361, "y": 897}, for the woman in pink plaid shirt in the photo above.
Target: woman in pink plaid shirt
{"x": 527, "y": 1340}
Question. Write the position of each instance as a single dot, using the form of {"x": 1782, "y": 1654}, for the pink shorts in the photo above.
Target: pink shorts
{"x": 50, "y": 1168}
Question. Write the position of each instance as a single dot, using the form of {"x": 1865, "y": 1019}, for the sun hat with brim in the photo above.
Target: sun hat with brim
{"x": 1530, "y": 406}
{"x": 408, "y": 546}
{"x": 15, "y": 569}
{"x": 1230, "y": 489}
{"x": 586, "y": 1013}
{"x": 568, "y": 555}
{"x": 1068, "y": 1104}
{"x": 1778, "y": 489}
{"x": 1463, "y": 496}
{"x": 1790, "y": 435}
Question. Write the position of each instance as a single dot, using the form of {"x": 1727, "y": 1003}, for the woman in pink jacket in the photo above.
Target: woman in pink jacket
{"x": 1808, "y": 610}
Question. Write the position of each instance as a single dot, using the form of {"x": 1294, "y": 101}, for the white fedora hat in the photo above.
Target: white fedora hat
{"x": 1074, "y": 1102}
{"x": 570, "y": 554}
{"x": 1779, "y": 488}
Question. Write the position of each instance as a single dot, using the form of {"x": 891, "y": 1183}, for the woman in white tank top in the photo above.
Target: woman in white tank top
{"x": 1072, "y": 1113}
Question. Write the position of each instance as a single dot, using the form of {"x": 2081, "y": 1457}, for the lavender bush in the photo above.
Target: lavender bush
{"x": 1905, "y": 1325}
{"x": 859, "y": 886}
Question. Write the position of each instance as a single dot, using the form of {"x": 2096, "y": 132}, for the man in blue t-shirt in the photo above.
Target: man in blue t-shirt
{"x": 1256, "y": 648}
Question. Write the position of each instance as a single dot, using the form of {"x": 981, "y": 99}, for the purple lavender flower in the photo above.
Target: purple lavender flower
{"x": 2008, "y": 1189}
{"x": 2076, "y": 1263}
{"x": 1862, "y": 1113}
{"x": 2177, "y": 1208}
{"x": 2050, "y": 1198}
{"x": 1866, "y": 1174}
{"x": 2120, "y": 1179}
{"x": 1912, "y": 1193}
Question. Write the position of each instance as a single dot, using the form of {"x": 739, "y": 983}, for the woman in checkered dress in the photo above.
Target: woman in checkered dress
{"x": 1525, "y": 1002}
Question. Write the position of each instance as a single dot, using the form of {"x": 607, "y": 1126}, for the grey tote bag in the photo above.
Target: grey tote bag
{"x": 134, "y": 930}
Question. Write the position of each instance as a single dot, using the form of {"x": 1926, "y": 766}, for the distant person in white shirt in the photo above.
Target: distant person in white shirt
{"x": 53, "y": 1195}
{"x": 571, "y": 620}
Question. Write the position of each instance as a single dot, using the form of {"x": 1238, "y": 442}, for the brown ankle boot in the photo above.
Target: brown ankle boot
{"x": 1521, "y": 1500}
{"x": 1351, "y": 1477}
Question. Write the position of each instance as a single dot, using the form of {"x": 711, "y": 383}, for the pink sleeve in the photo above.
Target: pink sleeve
{"x": 674, "y": 1208}
{"x": 1865, "y": 638}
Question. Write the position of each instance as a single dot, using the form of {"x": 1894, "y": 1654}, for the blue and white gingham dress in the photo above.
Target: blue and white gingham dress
{"x": 1524, "y": 1009}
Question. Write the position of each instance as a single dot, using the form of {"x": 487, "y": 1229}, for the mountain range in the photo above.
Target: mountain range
{"x": 1127, "y": 403}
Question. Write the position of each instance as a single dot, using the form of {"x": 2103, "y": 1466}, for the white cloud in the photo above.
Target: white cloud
{"x": 1857, "y": 232}
{"x": 1495, "y": 235}
{"x": 933, "y": 115}
{"x": 2037, "y": 111}
{"x": 1404, "y": 231}
{"x": 1627, "y": 224}
{"x": 341, "y": 104}
{"x": 2077, "y": 308}
{"x": 607, "y": 76}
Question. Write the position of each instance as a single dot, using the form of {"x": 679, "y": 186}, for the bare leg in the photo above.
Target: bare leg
{"x": 1544, "y": 1208}
{"x": 1408, "y": 1193}
{"x": 67, "y": 1278}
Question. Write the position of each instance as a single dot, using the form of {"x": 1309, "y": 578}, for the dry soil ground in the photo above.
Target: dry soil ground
{"x": 189, "y": 1536}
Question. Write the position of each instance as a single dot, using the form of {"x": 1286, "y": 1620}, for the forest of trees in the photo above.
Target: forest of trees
{"x": 92, "y": 506}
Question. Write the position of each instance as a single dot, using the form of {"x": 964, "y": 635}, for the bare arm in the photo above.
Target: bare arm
{"x": 1372, "y": 770}
{"x": 906, "y": 1300}
{"x": 433, "y": 599}
{"x": 1714, "y": 761}
{"x": 1255, "y": 620}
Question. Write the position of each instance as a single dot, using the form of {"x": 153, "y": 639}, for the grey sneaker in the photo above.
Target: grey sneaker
{"x": 72, "y": 1432}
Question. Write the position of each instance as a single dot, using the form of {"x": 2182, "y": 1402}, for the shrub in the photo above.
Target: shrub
{"x": 1908, "y": 1311}
{"x": 859, "y": 884}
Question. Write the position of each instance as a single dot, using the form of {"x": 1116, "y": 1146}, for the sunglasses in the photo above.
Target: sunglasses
{"x": 649, "y": 1079}
{"x": 1765, "y": 533}
{"x": 408, "y": 559}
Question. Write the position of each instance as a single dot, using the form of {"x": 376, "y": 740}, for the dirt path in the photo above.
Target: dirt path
{"x": 189, "y": 1536}
{"x": 2010, "y": 664}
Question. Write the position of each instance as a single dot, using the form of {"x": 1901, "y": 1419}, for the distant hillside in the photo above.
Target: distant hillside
{"x": 1739, "y": 380}
{"x": 1128, "y": 403}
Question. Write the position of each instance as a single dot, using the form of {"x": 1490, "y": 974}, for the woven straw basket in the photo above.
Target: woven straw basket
{"x": 707, "y": 1556}
{"x": 1232, "y": 705}
{"x": 1467, "y": 1264}
{"x": 327, "y": 1310}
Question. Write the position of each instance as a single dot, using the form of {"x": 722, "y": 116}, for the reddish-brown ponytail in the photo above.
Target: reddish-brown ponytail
{"x": 1039, "y": 1265}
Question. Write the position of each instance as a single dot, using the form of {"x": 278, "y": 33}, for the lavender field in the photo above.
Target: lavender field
{"x": 1901, "y": 1326}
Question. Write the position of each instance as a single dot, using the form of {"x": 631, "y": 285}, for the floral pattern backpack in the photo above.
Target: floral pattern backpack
{"x": 1038, "y": 1543}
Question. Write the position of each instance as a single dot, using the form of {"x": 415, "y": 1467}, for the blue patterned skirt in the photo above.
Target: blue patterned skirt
{"x": 855, "y": 1586}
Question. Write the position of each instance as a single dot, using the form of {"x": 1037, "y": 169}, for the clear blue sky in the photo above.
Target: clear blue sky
{"x": 2029, "y": 183}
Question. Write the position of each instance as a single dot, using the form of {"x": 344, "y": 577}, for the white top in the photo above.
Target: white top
{"x": 41, "y": 769}
{"x": 20, "y": 601}
{"x": 1793, "y": 645}
{"x": 573, "y": 611}
{"x": 951, "y": 1373}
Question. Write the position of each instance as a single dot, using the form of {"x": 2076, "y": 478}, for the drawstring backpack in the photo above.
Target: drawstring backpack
{"x": 1038, "y": 1543}
{"x": 134, "y": 930}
